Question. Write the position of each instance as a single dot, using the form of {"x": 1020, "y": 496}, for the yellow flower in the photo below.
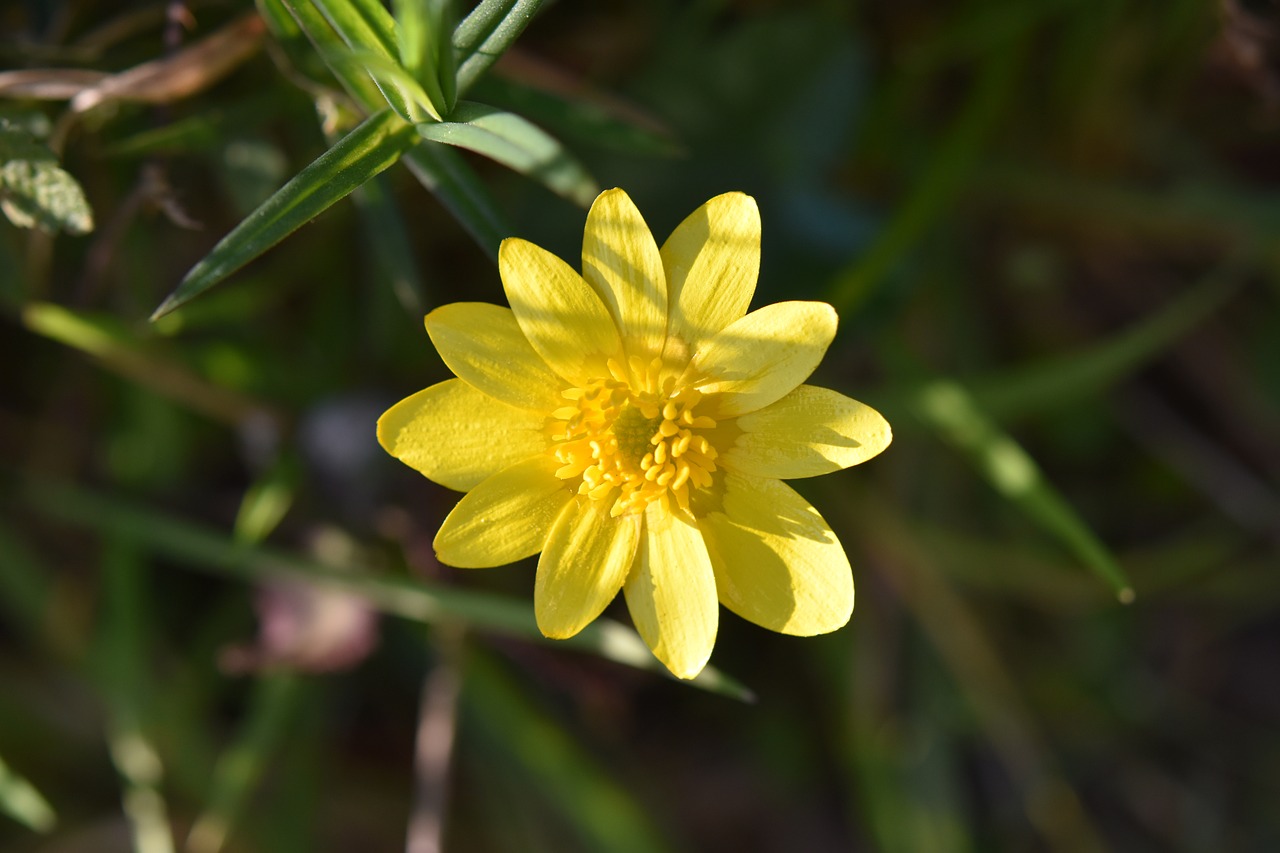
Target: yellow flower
{"x": 633, "y": 424}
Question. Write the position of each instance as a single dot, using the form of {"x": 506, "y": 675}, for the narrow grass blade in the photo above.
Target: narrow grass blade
{"x": 21, "y": 801}
{"x": 362, "y": 24}
{"x": 369, "y": 32}
{"x": 424, "y": 48}
{"x": 452, "y": 181}
{"x": 390, "y": 243}
{"x": 265, "y": 503}
{"x": 277, "y": 697}
{"x": 486, "y": 33}
{"x": 118, "y": 350}
{"x": 940, "y": 181}
{"x": 410, "y": 599}
{"x": 516, "y": 143}
{"x": 522, "y": 739}
{"x": 952, "y": 413}
{"x": 129, "y": 689}
{"x": 329, "y": 47}
{"x": 1066, "y": 380}
{"x": 363, "y": 153}
{"x": 26, "y": 587}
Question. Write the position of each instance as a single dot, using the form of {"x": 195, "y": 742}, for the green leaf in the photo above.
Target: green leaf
{"x": 391, "y": 244}
{"x": 21, "y": 801}
{"x": 276, "y": 700}
{"x": 26, "y": 586}
{"x": 939, "y": 182}
{"x": 369, "y": 32}
{"x": 35, "y": 192}
{"x": 331, "y": 48}
{"x": 517, "y": 738}
{"x": 956, "y": 418}
{"x": 197, "y": 547}
{"x": 266, "y": 502}
{"x": 117, "y": 349}
{"x": 425, "y": 51}
{"x": 404, "y": 94}
{"x": 514, "y": 142}
{"x": 361, "y": 23}
{"x": 486, "y": 33}
{"x": 444, "y": 173}
{"x": 363, "y": 153}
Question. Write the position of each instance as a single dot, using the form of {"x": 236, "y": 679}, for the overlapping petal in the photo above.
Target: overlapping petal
{"x": 559, "y": 313}
{"x": 759, "y": 359}
{"x": 776, "y": 561}
{"x": 458, "y": 436}
{"x": 505, "y": 518}
{"x": 620, "y": 261}
{"x": 808, "y": 432}
{"x": 671, "y": 593}
{"x": 585, "y": 562}
{"x": 711, "y": 261}
{"x": 483, "y": 344}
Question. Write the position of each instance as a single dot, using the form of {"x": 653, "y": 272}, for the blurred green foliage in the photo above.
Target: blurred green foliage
{"x": 1049, "y": 228}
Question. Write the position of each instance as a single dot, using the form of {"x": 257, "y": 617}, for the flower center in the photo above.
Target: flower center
{"x": 633, "y": 442}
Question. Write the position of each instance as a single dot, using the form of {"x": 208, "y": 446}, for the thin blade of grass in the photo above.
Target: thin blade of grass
{"x": 202, "y": 548}
{"x": 26, "y": 587}
{"x": 276, "y": 699}
{"x": 526, "y": 740}
{"x": 950, "y": 411}
{"x": 21, "y": 801}
{"x": 129, "y": 689}
{"x": 940, "y": 182}
{"x": 390, "y": 244}
{"x": 1067, "y": 379}
{"x": 118, "y": 350}
{"x": 516, "y": 143}
{"x": 369, "y": 149}
{"x": 486, "y": 33}
{"x": 424, "y": 48}
{"x": 454, "y": 183}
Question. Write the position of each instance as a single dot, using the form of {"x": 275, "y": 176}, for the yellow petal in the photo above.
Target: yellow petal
{"x": 671, "y": 593}
{"x": 776, "y": 561}
{"x": 620, "y": 261}
{"x": 711, "y": 260}
{"x": 584, "y": 564}
{"x": 457, "y": 436}
{"x": 810, "y": 431}
{"x": 558, "y": 312}
{"x": 505, "y": 518}
{"x": 765, "y": 355}
{"x": 483, "y": 344}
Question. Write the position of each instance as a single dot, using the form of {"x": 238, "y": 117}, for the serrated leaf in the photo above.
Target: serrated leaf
{"x": 486, "y": 33}
{"x": 357, "y": 157}
{"x": 516, "y": 143}
{"x": 951, "y": 412}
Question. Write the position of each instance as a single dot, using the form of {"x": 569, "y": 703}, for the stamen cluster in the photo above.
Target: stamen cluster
{"x": 633, "y": 442}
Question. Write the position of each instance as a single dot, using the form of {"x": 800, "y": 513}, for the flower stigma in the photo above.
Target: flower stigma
{"x": 633, "y": 442}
